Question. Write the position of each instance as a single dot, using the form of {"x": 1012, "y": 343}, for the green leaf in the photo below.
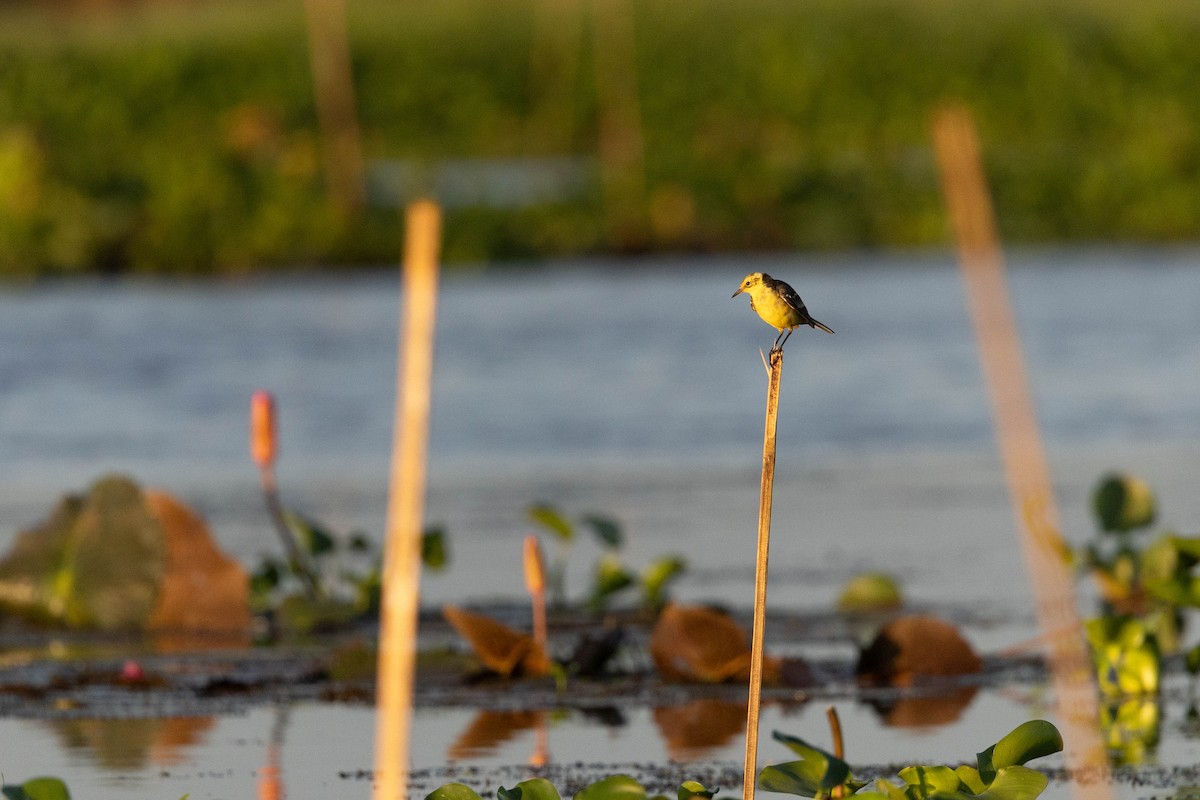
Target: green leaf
{"x": 885, "y": 789}
{"x": 614, "y": 787}
{"x": 1027, "y": 741}
{"x": 1124, "y": 503}
{"x": 310, "y": 535}
{"x": 925, "y": 781}
{"x": 532, "y": 789}
{"x": 607, "y": 530}
{"x": 1016, "y": 783}
{"x": 969, "y": 776}
{"x": 549, "y": 518}
{"x": 689, "y": 789}
{"x": 453, "y": 791}
{"x": 872, "y": 591}
{"x": 611, "y": 577}
{"x": 434, "y": 553}
{"x": 657, "y": 575}
{"x": 815, "y": 773}
{"x": 38, "y": 789}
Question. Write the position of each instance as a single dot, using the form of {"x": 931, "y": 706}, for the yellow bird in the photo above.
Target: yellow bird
{"x": 778, "y": 305}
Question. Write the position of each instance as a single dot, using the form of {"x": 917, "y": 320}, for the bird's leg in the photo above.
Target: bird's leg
{"x": 785, "y": 338}
{"x": 776, "y": 345}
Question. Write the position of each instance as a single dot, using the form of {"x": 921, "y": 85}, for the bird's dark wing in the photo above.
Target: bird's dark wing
{"x": 789, "y": 296}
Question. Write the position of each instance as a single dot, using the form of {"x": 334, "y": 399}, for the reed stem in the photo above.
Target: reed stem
{"x": 760, "y": 576}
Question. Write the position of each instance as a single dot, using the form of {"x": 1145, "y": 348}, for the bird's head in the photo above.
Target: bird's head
{"x": 749, "y": 282}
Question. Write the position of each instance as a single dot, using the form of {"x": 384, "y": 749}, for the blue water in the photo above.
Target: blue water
{"x": 575, "y": 361}
{"x": 631, "y": 388}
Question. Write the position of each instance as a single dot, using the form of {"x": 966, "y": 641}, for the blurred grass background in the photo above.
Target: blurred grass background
{"x": 182, "y": 137}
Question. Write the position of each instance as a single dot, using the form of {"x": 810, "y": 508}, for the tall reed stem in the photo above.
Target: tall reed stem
{"x": 760, "y": 576}
{"x": 406, "y": 503}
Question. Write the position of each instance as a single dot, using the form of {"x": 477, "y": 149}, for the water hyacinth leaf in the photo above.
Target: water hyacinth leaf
{"x": 1124, "y": 503}
{"x": 311, "y": 536}
{"x": 805, "y": 778}
{"x": 689, "y": 789}
{"x": 611, "y": 577}
{"x": 552, "y": 520}
{"x": 817, "y": 771}
{"x": 657, "y": 575}
{"x": 606, "y": 529}
{"x": 1027, "y": 741}
{"x": 871, "y": 591}
{"x": 38, "y": 789}
{"x": 1016, "y": 783}
{"x": 969, "y": 777}
{"x": 925, "y": 781}
{"x": 532, "y": 789}
{"x": 614, "y": 787}
{"x": 453, "y": 791}
{"x": 886, "y": 790}
{"x": 434, "y": 553}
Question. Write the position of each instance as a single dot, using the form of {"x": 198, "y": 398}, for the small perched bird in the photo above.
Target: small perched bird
{"x": 778, "y": 305}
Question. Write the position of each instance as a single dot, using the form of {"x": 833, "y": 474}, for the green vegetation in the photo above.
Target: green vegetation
{"x": 610, "y": 575}
{"x": 183, "y": 138}
{"x": 1000, "y": 773}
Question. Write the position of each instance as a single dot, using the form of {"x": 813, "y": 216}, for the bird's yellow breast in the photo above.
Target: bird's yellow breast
{"x": 773, "y": 309}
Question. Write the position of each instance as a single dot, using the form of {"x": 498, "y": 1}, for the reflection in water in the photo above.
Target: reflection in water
{"x": 490, "y": 729}
{"x": 270, "y": 775}
{"x": 129, "y": 744}
{"x": 924, "y": 711}
{"x": 692, "y": 730}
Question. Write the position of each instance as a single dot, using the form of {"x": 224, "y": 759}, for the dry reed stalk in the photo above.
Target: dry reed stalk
{"x": 1025, "y": 467}
{"x": 760, "y": 576}
{"x": 406, "y": 502}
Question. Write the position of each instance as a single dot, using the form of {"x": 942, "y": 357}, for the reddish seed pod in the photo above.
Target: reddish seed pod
{"x": 263, "y": 444}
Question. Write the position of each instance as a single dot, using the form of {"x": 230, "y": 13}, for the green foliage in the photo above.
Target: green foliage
{"x": 453, "y": 791}
{"x": 532, "y": 789}
{"x": 37, "y": 789}
{"x": 1126, "y": 656}
{"x": 689, "y": 789}
{"x": 1000, "y": 773}
{"x": 1124, "y": 503}
{"x": 868, "y": 592}
{"x": 1154, "y": 582}
{"x": 613, "y": 787}
{"x": 183, "y": 138}
{"x": 435, "y": 552}
{"x": 610, "y": 576}
{"x": 97, "y": 561}
{"x": 345, "y": 570}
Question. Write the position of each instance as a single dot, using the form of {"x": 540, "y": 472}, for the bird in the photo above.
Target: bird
{"x": 778, "y": 305}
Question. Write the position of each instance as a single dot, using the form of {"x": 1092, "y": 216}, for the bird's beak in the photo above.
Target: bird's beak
{"x": 735, "y": 294}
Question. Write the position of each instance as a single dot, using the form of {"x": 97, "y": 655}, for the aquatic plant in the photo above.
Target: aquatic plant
{"x": 613, "y": 787}
{"x": 1000, "y": 772}
{"x": 610, "y": 575}
{"x": 46, "y": 788}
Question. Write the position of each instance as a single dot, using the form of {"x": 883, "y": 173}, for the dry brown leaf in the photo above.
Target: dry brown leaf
{"x": 913, "y": 646}
{"x": 501, "y": 649}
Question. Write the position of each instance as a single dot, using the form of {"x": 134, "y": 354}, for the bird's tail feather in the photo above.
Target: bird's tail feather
{"x": 816, "y": 324}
